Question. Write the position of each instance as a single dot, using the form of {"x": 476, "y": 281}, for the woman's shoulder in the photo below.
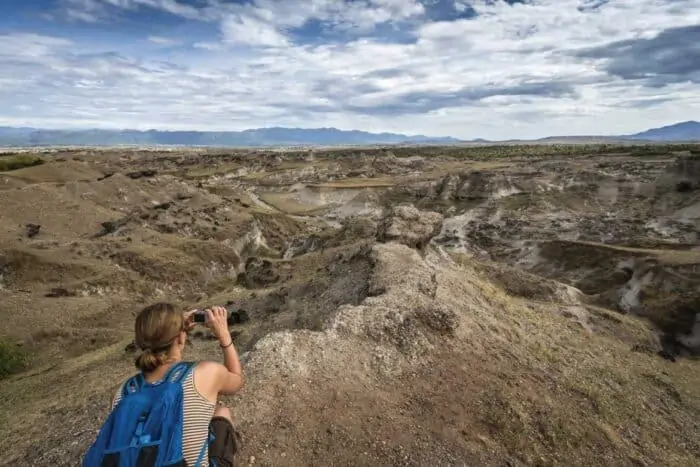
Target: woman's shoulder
{"x": 205, "y": 367}
{"x": 205, "y": 379}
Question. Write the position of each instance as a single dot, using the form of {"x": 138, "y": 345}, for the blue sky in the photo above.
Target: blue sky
{"x": 471, "y": 69}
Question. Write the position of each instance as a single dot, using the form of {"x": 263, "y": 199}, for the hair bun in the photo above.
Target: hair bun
{"x": 149, "y": 360}
{"x": 156, "y": 329}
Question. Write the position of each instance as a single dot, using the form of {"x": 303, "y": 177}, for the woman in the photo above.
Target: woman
{"x": 161, "y": 334}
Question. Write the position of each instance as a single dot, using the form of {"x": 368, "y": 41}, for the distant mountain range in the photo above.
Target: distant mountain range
{"x": 684, "y": 131}
{"x": 254, "y": 137}
{"x": 9, "y": 136}
{"x": 678, "y": 132}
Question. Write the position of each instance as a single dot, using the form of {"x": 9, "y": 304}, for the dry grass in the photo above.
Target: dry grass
{"x": 254, "y": 176}
{"x": 489, "y": 165}
{"x": 587, "y": 380}
{"x": 58, "y": 172}
{"x": 205, "y": 172}
{"x": 670, "y": 257}
{"x": 284, "y": 202}
{"x": 379, "y": 182}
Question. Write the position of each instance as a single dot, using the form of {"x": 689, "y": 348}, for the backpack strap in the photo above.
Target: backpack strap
{"x": 132, "y": 385}
{"x": 178, "y": 372}
{"x": 175, "y": 374}
{"x": 206, "y": 443}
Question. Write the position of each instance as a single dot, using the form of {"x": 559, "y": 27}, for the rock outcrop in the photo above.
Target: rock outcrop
{"x": 258, "y": 272}
{"x": 303, "y": 245}
{"x": 432, "y": 335}
{"x": 410, "y": 226}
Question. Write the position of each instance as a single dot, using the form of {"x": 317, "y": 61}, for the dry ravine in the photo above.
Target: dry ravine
{"x": 532, "y": 305}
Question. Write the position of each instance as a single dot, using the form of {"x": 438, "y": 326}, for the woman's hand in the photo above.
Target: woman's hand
{"x": 188, "y": 318}
{"x": 217, "y": 322}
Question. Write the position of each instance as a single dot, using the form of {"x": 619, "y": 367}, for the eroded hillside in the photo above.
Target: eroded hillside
{"x": 419, "y": 306}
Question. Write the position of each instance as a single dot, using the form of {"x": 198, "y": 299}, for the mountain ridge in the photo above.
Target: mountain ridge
{"x": 682, "y": 131}
{"x": 250, "y": 137}
{"x": 285, "y": 136}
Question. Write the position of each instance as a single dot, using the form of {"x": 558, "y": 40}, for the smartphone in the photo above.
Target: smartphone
{"x": 233, "y": 317}
{"x": 199, "y": 316}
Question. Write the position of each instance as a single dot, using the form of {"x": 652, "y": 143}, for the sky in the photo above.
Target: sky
{"x": 494, "y": 69}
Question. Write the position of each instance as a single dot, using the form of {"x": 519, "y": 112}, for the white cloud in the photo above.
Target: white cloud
{"x": 251, "y": 31}
{"x": 171, "y": 6}
{"x": 21, "y": 46}
{"x": 88, "y": 11}
{"x": 362, "y": 14}
{"x": 512, "y": 71}
{"x": 460, "y": 6}
{"x": 96, "y": 10}
{"x": 211, "y": 46}
{"x": 163, "y": 40}
{"x": 83, "y": 16}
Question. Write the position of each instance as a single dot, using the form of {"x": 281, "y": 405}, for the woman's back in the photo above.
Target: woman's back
{"x": 161, "y": 334}
{"x": 198, "y": 412}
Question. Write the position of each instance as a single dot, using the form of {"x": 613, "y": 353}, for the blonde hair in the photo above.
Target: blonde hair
{"x": 157, "y": 326}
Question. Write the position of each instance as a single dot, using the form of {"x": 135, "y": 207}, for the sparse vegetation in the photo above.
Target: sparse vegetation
{"x": 486, "y": 334}
{"x": 12, "y": 358}
{"x": 19, "y": 161}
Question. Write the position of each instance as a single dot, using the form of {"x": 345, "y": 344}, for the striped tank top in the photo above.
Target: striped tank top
{"x": 198, "y": 412}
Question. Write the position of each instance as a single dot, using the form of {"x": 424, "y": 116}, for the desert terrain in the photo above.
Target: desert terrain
{"x": 417, "y": 306}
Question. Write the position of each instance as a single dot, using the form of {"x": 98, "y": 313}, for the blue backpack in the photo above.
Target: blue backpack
{"x": 145, "y": 428}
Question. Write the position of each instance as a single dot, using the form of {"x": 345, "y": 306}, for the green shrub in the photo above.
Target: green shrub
{"x": 12, "y": 359}
{"x": 19, "y": 161}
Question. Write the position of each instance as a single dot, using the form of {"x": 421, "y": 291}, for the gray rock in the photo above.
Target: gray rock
{"x": 408, "y": 225}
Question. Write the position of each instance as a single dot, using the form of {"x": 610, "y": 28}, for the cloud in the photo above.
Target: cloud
{"x": 103, "y": 10}
{"x": 89, "y": 11}
{"x": 592, "y": 5}
{"x": 241, "y": 29}
{"x": 170, "y": 6}
{"x": 672, "y": 56}
{"x": 418, "y": 102}
{"x": 482, "y": 68}
{"x": 163, "y": 40}
{"x": 30, "y": 46}
{"x": 360, "y": 14}
{"x": 210, "y": 46}
{"x": 288, "y": 12}
{"x": 461, "y": 7}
